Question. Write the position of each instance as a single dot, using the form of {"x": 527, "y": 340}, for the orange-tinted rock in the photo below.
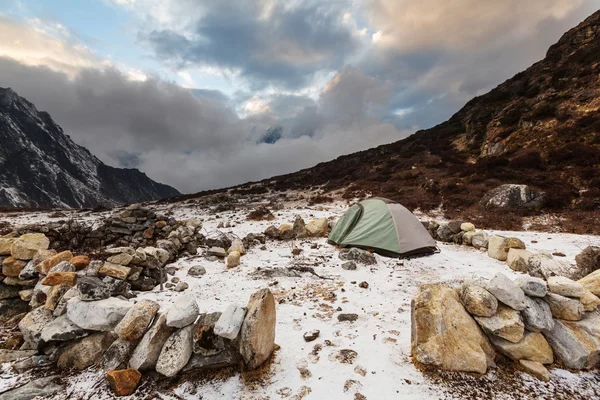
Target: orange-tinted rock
{"x": 80, "y": 262}
{"x": 123, "y": 381}
{"x": 58, "y": 278}
{"x": 45, "y": 266}
{"x": 149, "y": 233}
{"x": 12, "y": 267}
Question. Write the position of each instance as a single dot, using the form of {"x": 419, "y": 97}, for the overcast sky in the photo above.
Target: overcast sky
{"x": 202, "y": 94}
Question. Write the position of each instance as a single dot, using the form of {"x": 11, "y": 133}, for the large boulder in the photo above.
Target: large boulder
{"x": 592, "y": 282}
{"x": 101, "y": 315}
{"x": 117, "y": 354}
{"x": 572, "y": 345}
{"x": 25, "y": 247}
{"x": 46, "y": 265}
{"x": 532, "y": 286}
{"x": 257, "y": 337}
{"x": 358, "y": 255}
{"x": 518, "y": 259}
{"x": 6, "y": 245}
{"x": 85, "y": 352}
{"x": 507, "y": 291}
{"x": 62, "y": 329}
{"x": 543, "y": 265}
{"x": 183, "y": 312}
{"x": 134, "y": 324}
{"x": 587, "y": 261}
{"x": 506, "y": 324}
{"x": 590, "y": 301}
{"x": 33, "y": 324}
{"x": 478, "y": 301}
{"x": 564, "y": 307}
{"x": 146, "y": 353}
{"x": 317, "y": 227}
{"x": 443, "y": 333}
{"x": 565, "y": 286}
{"x": 124, "y": 381}
{"x": 533, "y": 346}
{"x": 512, "y": 196}
{"x": 176, "y": 352}
{"x": 537, "y": 316}
{"x": 498, "y": 246}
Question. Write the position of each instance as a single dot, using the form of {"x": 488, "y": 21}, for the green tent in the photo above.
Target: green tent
{"x": 382, "y": 226}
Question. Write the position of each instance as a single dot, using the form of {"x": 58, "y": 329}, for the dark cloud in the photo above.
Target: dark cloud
{"x": 285, "y": 47}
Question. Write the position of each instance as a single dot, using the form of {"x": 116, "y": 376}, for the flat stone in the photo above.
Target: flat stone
{"x": 42, "y": 387}
{"x": 33, "y": 323}
{"x": 506, "y": 324}
{"x": 146, "y": 353}
{"x": 120, "y": 259}
{"x": 123, "y": 382}
{"x": 100, "y": 315}
{"x": 564, "y": 307}
{"x": 229, "y": 324}
{"x": 532, "y": 286}
{"x": 257, "y": 337}
{"x": 572, "y": 345}
{"x": 25, "y": 247}
{"x": 46, "y": 265}
{"x": 183, "y": 312}
{"x": 478, "y": 301}
{"x": 226, "y": 358}
{"x": 63, "y": 266}
{"x": 351, "y": 317}
{"x": 506, "y": 291}
{"x": 115, "y": 270}
{"x": 86, "y": 351}
{"x": 62, "y": 329}
{"x": 56, "y": 293}
{"x": 565, "y": 286}
{"x": 535, "y": 369}
{"x": 444, "y": 335}
{"x": 217, "y": 252}
{"x": 537, "y": 316}
{"x": 533, "y": 347}
{"x": 13, "y": 355}
{"x": 133, "y": 326}
{"x": 60, "y": 278}
{"x": 80, "y": 262}
{"x": 119, "y": 250}
{"x": 176, "y": 352}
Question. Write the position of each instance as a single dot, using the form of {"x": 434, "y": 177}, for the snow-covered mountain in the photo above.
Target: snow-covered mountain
{"x": 40, "y": 166}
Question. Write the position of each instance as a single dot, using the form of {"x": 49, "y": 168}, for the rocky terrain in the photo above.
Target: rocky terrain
{"x": 342, "y": 319}
{"x": 41, "y": 167}
{"x": 539, "y": 128}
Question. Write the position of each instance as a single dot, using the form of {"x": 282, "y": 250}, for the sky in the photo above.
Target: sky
{"x": 203, "y": 94}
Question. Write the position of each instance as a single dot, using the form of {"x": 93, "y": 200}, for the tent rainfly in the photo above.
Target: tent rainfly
{"x": 384, "y": 227}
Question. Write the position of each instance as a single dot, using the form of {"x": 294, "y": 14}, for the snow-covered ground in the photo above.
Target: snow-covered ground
{"x": 382, "y": 367}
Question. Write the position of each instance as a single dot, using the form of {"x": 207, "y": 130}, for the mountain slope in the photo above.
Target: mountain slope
{"x": 40, "y": 166}
{"x": 541, "y": 127}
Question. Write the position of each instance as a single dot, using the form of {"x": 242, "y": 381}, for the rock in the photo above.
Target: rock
{"x": 134, "y": 324}
{"x": 317, "y": 227}
{"x": 565, "y": 286}
{"x": 573, "y": 346}
{"x": 117, "y": 354}
{"x": 358, "y": 255}
{"x": 535, "y": 369}
{"x": 349, "y": 266}
{"x": 91, "y": 289}
{"x": 272, "y": 232}
{"x": 512, "y": 196}
{"x": 286, "y": 232}
{"x": 27, "y": 294}
{"x": 506, "y": 291}
{"x": 181, "y": 286}
{"x": 12, "y": 307}
{"x": 8, "y": 292}
{"x": 61, "y": 329}
{"x": 467, "y": 238}
{"x": 146, "y": 353}
{"x": 542, "y": 265}
{"x": 56, "y": 293}
{"x": 206, "y": 342}
{"x": 533, "y": 347}
{"x": 347, "y": 317}
{"x": 237, "y": 245}
{"x": 537, "y": 316}
{"x": 60, "y": 278}
{"x": 506, "y": 324}
{"x": 13, "y": 355}
{"x": 480, "y": 240}
{"x": 100, "y": 315}
{"x": 518, "y": 259}
{"x": 592, "y": 282}
{"x": 300, "y": 228}
{"x": 229, "y": 324}
{"x": 531, "y": 286}
{"x": 25, "y": 247}
{"x": 233, "y": 259}
{"x": 227, "y": 357}
{"x": 29, "y": 271}
{"x": 311, "y": 336}
{"x": 86, "y": 351}
{"x": 217, "y": 252}
{"x": 119, "y": 250}
{"x": 589, "y": 300}
{"x": 42, "y": 255}
{"x": 45, "y": 266}
{"x": 363, "y": 285}
{"x": 467, "y": 227}
{"x": 63, "y": 266}
{"x": 115, "y": 270}
{"x": 176, "y": 352}
{"x": 120, "y": 259}
{"x": 587, "y": 261}
{"x": 196, "y": 271}
{"x": 6, "y": 245}
{"x": 455, "y": 226}
{"x": 444, "y": 233}
{"x": 257, "y": 337}
{"x": 123, "y": 382}
{"x": 498, "y": 246}
{"x": 444, "y": 335}
{"x": 33, "y": 323}
{"x": 564, "y": 307}
{"x": 183, "y": 312}
{"x": 80, "y": 262}
{"x": 12, "y": 266}
{"x": 478, "y": 301}
{"x": 42, "y": 387}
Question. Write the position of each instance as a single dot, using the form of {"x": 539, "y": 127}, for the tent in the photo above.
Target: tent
{"x": 382, "y": 226}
